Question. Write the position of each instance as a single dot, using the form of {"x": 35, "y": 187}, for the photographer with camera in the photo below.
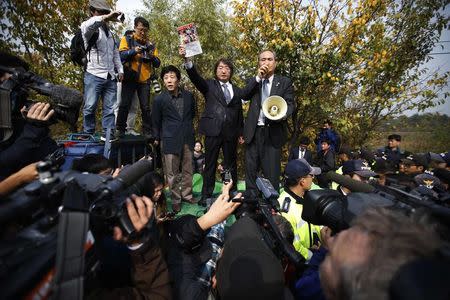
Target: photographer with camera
{"x": 150, "y": 276}
{"x": 140, "y": 58}
{"x": 29, "y": 143}
{"x": 189, "y": 247}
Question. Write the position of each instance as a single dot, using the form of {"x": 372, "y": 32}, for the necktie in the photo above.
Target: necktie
{"x": 226, "y": 93}
{"x": 265, "y": 90}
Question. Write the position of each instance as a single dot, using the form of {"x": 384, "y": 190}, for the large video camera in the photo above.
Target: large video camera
{"x": 14, "y": 94}
{"x": 331, "y": 208}
{"x": 259, "y": 208}
{"x": 28, "y": 256}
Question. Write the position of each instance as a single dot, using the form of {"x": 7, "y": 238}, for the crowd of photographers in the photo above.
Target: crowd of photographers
{"x": 381, "y": 254}
{"x": 308, "y": 242}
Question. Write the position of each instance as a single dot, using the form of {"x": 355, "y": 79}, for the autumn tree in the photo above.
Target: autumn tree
{"x": 353, "y": 62}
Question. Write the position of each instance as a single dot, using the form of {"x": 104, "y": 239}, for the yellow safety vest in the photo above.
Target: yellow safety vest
{"x": 303, "y": 236}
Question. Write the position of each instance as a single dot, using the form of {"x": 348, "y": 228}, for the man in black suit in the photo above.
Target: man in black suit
{"x": 173, "y": 114}
{"x": 265, "y": 137}
{"x": 301, "y": 151}
{"x": 222, "y": 120}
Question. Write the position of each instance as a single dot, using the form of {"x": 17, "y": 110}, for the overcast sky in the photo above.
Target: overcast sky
{"x": 439, "y": 61}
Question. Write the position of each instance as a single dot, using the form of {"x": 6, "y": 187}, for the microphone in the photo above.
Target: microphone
{"x": 351, "y": 184}
{"x": 60, "y": 95}
{"x": 133, "y": 173}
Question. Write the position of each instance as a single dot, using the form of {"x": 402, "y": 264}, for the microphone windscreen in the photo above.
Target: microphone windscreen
{"x": 133, "y": 173}
{"x": 65, "y": 96}
{"x": 351, "y": 184}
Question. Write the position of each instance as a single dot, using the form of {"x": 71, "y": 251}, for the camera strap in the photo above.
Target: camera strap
{"x": 72, "y": 232}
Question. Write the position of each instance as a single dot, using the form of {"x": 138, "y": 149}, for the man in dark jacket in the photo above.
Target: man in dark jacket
{"x": 222, "y": 120}
{"x": 301, "y": 151}
{"x": 150, "y": 275}
{"x": 264, "y": 137}
{"x": 173, "y": 114}
{"x": 326, "y": 162}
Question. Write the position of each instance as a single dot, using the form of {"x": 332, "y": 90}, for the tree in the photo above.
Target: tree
{"x": 353, "y": 63}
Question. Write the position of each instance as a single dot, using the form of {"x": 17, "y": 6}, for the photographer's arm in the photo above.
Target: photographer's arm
{"x": 218, "y": 212}
{"x": 149, "y": 272}
{"x": 25, "y": 175}
{"x": 19, "y": 154}
{"x": 197, "y": 80}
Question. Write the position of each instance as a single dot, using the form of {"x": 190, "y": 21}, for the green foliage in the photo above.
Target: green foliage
{"x": 355, "y": 63}
{"x": 420, "y": 133}
{"x": 358, "y": 63}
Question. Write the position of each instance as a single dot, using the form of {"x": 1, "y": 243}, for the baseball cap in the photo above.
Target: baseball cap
{"x": 297, "y": 168}
{"x": 366, "y": 154}
{"x": 431, "y": 156}
{"x": 415, "y": 159}
{"x": 383, "y": 166}
{"x": 346, "y": 150}
{"x": 446, "y": 157}
{"x": 427, "y": 180}
{"x": 358, "y": 167}
{"x": 99, "y": 4}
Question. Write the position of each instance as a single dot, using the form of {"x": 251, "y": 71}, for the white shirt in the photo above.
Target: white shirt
{"x": 261, "y": 117}
{"x": 189, "y": 64}
{"x": 104, "y": 58}
{"x": 229, "y": 87}
{"x": 301, "y": 153}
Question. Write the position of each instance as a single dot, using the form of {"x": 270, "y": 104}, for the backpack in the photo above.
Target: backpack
{"x": 77, "y": 51}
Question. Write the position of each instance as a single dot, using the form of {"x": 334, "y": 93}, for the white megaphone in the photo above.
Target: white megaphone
{"x": 274, "y": 108}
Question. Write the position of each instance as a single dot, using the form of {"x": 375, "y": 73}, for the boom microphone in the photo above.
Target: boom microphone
{"x": 60, "y": 95}
{"x": 351, "y": 184}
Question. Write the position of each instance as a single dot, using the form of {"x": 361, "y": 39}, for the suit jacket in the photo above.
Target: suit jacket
{"x": 293, "y": 154}
{"x": 220, "y": 118}
{"x": 169, "y": 127}
{"x": 277, "y": 130}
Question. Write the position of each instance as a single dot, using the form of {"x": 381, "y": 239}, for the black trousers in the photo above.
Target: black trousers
{"x": 143, "y": 93}
{"x": 261, "y": 155}
{"x": 212, "y": 148}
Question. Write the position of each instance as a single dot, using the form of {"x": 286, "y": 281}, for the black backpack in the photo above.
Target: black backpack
{"x": 77, "y": 51}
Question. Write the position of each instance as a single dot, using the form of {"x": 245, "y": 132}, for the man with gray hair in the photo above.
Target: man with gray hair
{"x": 367, "y": 260}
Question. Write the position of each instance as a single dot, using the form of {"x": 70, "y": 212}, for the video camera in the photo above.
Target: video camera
{"x": 259, "y": 208}
{"x": 14, "y": 93}
{"x": 332, "y": 209}
{"x": 29, "y": 255}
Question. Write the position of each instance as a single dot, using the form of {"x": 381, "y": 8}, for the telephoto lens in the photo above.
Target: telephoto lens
{"x": 156, "y": 86}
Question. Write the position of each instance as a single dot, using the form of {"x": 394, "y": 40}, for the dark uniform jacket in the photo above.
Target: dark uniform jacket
{"x": 169, "y": 127}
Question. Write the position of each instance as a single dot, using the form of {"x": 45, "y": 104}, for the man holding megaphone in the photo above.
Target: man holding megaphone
{"x": 265, "y": 128}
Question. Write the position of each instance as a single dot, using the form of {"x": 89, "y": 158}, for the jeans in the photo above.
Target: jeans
{"x": 94, "y": 88}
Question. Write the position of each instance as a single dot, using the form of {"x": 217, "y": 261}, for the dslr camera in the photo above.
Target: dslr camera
{"x": 226, "y": 175}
